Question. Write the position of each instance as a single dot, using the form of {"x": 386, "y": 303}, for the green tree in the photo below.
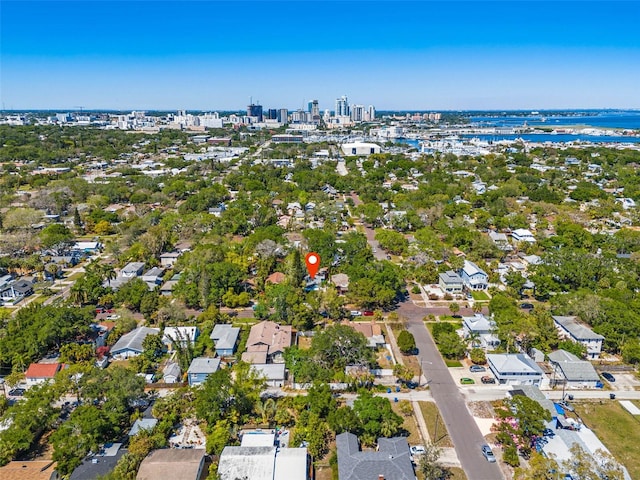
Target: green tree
{"x": 406, "y": 342}
{"x": 430, "y": 465}
{"x": 340, "y": 345}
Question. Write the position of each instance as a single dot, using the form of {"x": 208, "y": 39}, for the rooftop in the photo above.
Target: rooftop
{"x": 392, "y": 460}
{"x": 172, "y": 463}
{"x": 576, "y": 329}
{"x": 204, "y": 365}
{"x": 133, "y": 339}
{"x": 31, "y": 470}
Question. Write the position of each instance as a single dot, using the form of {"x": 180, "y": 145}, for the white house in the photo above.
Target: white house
{"x": 360, "y": 148}
{"x": 523, "y": 235}
{"x": 130, "y": 344}
{"x": 474, "y": 277}
{"x": 570, "y": 329}
{"x": 179, "y": 335}
{"x": 482, "y": 327}
{"x": 515, "y": 369}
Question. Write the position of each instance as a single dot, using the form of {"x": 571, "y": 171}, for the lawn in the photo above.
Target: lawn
{"x": 409, "y": 425}
{"x": 480, "y": 296}
{"x": 616, "y": 428}
{"x": 431, "y": 413}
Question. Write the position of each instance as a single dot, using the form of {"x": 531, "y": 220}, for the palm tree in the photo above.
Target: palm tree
{"x": 77, "y": 295}
{"x": 474, "y": 338}
{"x": 108, "y": 272}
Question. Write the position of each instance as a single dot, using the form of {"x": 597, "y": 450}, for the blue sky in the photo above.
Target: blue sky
{"x": 419, "y": 55}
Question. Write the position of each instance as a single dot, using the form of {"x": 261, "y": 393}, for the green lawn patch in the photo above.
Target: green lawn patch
{"x": 437, "y": 429}
{"x": 452, "y": 363}
{"x": 480, "y": 295}
{"x": 616, "y": 428}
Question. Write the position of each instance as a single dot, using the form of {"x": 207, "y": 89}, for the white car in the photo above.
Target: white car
{"x": 355, "y": 313}
{"x": 417, "y": 450}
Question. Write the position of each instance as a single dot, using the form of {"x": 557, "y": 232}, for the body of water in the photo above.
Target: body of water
{"x": 606, "y": 119}
{"x": 559, "y": 138}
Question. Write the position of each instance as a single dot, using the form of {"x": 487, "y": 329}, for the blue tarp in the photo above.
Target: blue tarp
{"x": 559, "y": 409}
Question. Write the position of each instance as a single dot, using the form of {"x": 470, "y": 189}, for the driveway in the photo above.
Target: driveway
{"x": 463, "y": 430}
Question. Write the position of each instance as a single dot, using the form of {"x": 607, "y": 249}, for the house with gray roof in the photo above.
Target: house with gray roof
{"x": 515, "y": 369}
{"x": 483, "y": 329}
{"x": 130, "y": 344}
{"x": 450, "y": 282}
{"x": 573, "y": 371}
{"x": 140, "y": 424}
{"x": 225, "y": 339}
{"x": 569, "y": 328}
{"x": 392, "y": 460}
{"x": 201, "y": 368}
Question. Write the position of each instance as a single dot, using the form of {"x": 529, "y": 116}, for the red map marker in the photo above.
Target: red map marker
{"x": 313, "y": 263}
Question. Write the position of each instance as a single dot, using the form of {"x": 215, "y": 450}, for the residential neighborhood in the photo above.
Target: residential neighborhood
{"x": 158, "y": 312}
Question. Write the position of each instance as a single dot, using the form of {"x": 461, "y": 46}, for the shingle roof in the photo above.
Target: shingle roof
{"x": 225, "y": 336}
{"x": 577, "y": 330}
{"x": 392, "y": 460}
{"x": 171, "y": 463}
{"x": 133, "y": 339}
{"x": 247, "y": 462}
{"x": 204, "y": 365}
{"x": 30, "y": 470}
{"x": 276, "y": 337}
{"x": 573, "y": 369}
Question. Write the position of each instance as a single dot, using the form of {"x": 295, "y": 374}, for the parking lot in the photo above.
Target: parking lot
{"x": 463, "y": 372}
{"x": 624, "y": 381}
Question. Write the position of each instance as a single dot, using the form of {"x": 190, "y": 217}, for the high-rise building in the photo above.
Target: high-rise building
{"x": 357, "y": 113}
{"x": 272, "y": 114}
{"x": 372, "y": 113}
{"x": 255, "y": 111}
{"x": 283, "y": 115}
{"x": 342, "y": 106}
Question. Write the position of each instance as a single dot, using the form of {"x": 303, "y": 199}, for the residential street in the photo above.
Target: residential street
{"x": 462, "y": 428}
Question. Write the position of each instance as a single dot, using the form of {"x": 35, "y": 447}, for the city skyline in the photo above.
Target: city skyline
{"x": 401, "y": 56}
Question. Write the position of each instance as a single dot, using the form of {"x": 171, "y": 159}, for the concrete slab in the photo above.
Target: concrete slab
{"x": 630, "y": 407}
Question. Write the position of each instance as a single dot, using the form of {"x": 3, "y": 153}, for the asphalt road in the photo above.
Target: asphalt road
{"x": 464, "y": 432}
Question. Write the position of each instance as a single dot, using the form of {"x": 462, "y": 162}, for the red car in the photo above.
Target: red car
{"x": 367, "y": 313}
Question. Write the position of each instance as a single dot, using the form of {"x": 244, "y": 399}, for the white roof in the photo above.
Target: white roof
{"x": 291, "y": 464}
{"x": 258, "y": 439}
{"x": 507, "y": 363}
{"x": 180, "y": 334}
{"x": 273, "y": 371}
{"x": 256, "y": 463}
{"x": 204, "y": 365}
{"x": 471, "y": 268}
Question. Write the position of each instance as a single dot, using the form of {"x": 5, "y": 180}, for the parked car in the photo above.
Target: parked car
{"x": 355, "y": 313}
{"x": 488, "y": 454}
{"x": 477, "y": 368}
{"x": 367, "y": 313}
{"x": 488, "y": 379}
{"x": 608, "y": 377}
{"x": 526, "y": 306}
{"x": 467, "y": 381}
{"x": 547, "y": 432}
{"x": 417, "y": 450}
{"x": 17, "y": 392}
